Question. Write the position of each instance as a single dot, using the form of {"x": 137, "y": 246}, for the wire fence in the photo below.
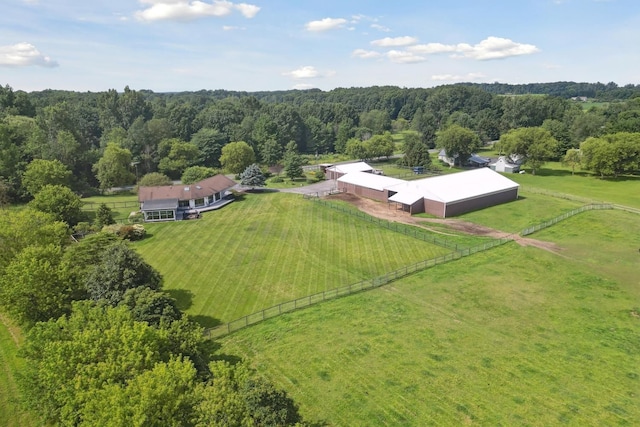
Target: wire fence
{"x": 92, "y": 206}
{"x": 549, "y": 223}
{"x": 353, "y": 288}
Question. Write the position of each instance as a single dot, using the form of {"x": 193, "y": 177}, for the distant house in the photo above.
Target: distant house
{"x": 336, "y": 171}
{"x": 175, "y": 202}
{"x": 474, "y": 160}
{"x": 505, "y": 164}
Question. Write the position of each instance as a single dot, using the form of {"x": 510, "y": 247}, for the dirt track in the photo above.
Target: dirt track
{"x": 388, "y": 212}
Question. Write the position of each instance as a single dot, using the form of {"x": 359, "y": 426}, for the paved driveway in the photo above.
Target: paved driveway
{"x": 318, "y": 187}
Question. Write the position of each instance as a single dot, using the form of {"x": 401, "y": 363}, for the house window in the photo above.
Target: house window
{"x": 199, "y": 202}
{"x": 183, "y": 204}
{"x": 159, "y": 215}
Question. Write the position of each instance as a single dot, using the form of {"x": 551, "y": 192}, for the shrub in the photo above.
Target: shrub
{"x": 126, "y": 232}
{"x": 277, "y": 179}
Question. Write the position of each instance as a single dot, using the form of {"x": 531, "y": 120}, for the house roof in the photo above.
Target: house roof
{"x": 370, "y": 180}
{"x": 505, "y": 160}
{"x": 206, "y": 187}
{"x": 152, "y": 205}
{"x": 351, "y": 167}
{"x": 457, "y": 186}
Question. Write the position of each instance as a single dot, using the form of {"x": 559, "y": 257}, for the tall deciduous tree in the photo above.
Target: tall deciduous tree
{"x": 72, "y": 359}
{"x": 114, "y": 167}
{"x": 45, "y": 172}
{"x": 535, "y": 145}
{"x": 29, "y": 227}
{"x": 458, "y": 142}
{"x": 34, "y": 286}
{"x": 572, "y": 158}
{"x": 60, "y": 202}
{"x": 120, "y": 269}
{"x": 236, "y": 156}
{"x": 197, "y": 173}
{"x": 177, "y": 156}
{"x": 416, "y": 151}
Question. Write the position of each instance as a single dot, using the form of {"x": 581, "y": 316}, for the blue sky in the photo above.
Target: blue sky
{"x": 180, "y": 45}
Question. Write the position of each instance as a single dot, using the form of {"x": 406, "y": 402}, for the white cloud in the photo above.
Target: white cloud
{"x": 24, "y": 55}
{"x": 431, "y": 48}
{"x": 232, "y": 28}
{"x": 365, "y": 54}
{"x": 325, "y": 24}
{"x": 489, "y": 48}
{"x": 380, "y": 28}
{"x": 394, "y": 41}
{"x": 496, "y": 48}
{"x": 31, "y": 1}
{"x": 248, "y": 10}
{"x": 186, "y": 10}
{"x": 306, "y": 72}
{"x": 457, "y": 78}
{"x": 404, "y": 57}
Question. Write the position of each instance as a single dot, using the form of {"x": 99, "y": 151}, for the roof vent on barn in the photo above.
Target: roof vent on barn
{"x": 186, "y": 188}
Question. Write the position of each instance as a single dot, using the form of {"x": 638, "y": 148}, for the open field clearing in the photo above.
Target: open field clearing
{"x": 269, "y": 248}
{"x": 511, "y": 336}
{"x": 11, "y": 414}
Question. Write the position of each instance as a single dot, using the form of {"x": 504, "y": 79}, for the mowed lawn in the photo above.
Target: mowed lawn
{"x": 270, "y": 248}
{"x": 11, "y": 413}
{"x": 512, "y": 336}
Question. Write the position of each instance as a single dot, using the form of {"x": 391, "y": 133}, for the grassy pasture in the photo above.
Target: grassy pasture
{"x": 11, "y": 414}
{"x": 512, "y": 336}
{"x": 115, "y": 202}
{"x": 270, "y": 248}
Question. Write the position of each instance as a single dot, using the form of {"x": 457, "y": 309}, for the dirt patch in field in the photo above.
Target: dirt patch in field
{"x": 391, "y": 213}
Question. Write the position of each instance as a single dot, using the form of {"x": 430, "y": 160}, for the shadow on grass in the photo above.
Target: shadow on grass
{"x": 183, "y": 297}
{"x": 261, "y": 190}
{"x": 206, "y": 321}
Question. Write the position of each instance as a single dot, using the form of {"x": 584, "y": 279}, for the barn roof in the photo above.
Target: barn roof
{"x": 406, "y": 198}
{"x": 370, "y": 180}
{"x": 206, "y": 187}
{"x": 462, "y": 185}
{"x": 351, "y": 167}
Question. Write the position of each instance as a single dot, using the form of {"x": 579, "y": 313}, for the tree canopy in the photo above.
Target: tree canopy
{"x": 458, "y": 142}
{"x": 535, "y": 145}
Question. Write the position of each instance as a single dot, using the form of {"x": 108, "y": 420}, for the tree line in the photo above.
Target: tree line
{"x": 114, "y": 138}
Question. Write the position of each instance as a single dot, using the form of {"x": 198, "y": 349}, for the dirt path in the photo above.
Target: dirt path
{"x": 390, "y": 213}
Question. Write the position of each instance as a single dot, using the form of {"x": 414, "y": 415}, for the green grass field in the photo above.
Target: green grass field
{"x": 121, "y": 204}
{"x": 270, "y": 248}
{"x": 11, "y": 414}
{"x": 512, "y": 336}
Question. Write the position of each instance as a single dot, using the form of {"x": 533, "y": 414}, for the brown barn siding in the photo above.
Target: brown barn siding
{"x": 465, "y": 206}
{"x": 417, "y": 207}
{"x": 369, "y": 193}
{"x": 434, "y": 207}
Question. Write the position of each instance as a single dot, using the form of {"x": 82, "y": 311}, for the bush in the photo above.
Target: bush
{"x": 126, "y": 232}
{"x": 136, "y": 217}
{"x": 154, "y": 179}
{"x": 277, "y": 179}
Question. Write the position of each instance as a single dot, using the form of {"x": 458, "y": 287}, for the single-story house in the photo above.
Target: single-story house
{"x": 474, "y": 160}
{"x": 335, "y": 172}
{"x": 443, "y": 196}
{"x": 504, "y": 164}
{"x": 175, "y": 202}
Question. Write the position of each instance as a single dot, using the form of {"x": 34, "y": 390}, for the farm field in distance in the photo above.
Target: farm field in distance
{"x": 511, "y": 336}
